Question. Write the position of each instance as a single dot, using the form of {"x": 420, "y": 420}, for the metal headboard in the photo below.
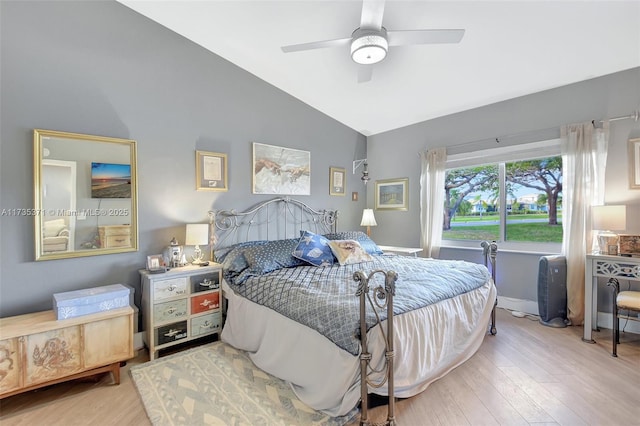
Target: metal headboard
{"x": 274, "y": 219}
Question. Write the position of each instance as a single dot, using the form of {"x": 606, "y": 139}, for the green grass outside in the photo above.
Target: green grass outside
{"x": 529, "y": 232}
{"x": 510, "y": 217}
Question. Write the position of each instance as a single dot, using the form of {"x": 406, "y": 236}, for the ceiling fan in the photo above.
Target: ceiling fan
{"x": 371, "y": 41}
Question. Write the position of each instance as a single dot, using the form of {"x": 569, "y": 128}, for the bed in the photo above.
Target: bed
{"x": 300, "y": 322}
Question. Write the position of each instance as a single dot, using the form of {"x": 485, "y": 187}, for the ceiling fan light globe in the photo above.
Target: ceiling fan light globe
{"x": 369, "y": 49}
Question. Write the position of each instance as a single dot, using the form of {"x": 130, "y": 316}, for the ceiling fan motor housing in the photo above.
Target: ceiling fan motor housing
{"x": 369, "y": 46}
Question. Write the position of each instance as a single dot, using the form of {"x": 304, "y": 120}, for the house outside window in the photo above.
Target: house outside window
{"x": 511, "y": 195}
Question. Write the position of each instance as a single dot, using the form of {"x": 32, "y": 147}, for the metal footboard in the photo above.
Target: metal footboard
{"x": 382, "y": 299}
{"x": 490, "y": 253}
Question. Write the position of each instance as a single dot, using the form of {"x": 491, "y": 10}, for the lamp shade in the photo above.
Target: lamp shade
{"x": 368, "y": 219}
{"x": 197, "y": 234}
{"x": 609, "y": 218}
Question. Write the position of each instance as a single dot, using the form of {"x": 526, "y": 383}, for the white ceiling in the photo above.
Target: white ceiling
{"x": 510, "y": 48}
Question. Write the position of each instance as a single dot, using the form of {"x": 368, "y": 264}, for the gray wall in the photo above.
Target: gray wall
{"x": 99, "y": 68}
{"x": 529, "y": 118}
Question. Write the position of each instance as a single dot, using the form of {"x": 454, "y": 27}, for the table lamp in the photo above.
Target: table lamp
{"x": 607, "y": 219}
{"x": 368, "y": 220}
{"x": 197, "y": 235}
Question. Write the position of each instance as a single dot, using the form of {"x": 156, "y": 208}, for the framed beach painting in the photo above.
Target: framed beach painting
{"x": 280, "y": 170}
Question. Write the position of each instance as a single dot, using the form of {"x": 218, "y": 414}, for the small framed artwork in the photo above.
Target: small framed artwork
{"x": 280, "y": 170}
{"x": 155, "y": 263}
{"x": 392, "y": 194}
{"x": 337, "y": 180}
{"x": 634, "y": 163}
{"x": 211, "y": 171}
{"x": 629, "y": 245}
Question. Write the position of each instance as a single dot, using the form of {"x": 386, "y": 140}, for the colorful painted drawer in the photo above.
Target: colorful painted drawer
{"x": 171, "y": 332}
{"x": 206, "y": 324}
{"x": 205, "y": 302}
{"x": 168, "y": 311}
{"x": 165, "y": 289}
{"x": 205, "y": 282}
{"x": 188, "y": 296}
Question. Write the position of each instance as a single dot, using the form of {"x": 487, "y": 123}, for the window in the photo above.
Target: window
{"x": 516, "y": 198}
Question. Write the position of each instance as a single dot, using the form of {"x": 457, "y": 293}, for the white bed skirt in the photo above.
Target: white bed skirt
{"x": 327, "y": 378}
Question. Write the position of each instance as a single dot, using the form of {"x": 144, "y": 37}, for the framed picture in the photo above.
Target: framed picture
{"x": 211, "y": 171}
{"x": 155, "y": 262}
{"x": 629, "y": 244}
{"x": 337, "y": 180}
{"x": 392, "y": 194}
{"x": 279, "y": 170}
{"x": 634, "y": 163}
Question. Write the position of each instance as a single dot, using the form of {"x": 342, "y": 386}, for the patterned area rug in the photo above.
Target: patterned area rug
{"x": 216, "y": 384}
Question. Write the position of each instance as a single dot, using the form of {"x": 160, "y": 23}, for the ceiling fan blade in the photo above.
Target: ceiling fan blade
{"x": 400, "y": 38}
{"x": 316, "y": 45}
{"x": 365, "y": 72}
{"x": 372, "y": 11}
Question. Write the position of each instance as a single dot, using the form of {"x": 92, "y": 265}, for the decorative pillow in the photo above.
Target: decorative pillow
{"x": 268, "y": 257}
{"x": 367, "y": 243}
{"x": 314, "y": 249}
{"x": 232, "y": 257}
{"x": 349, "y": 251}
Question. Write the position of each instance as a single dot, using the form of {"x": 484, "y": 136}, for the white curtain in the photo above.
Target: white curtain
{"x": 432, "y": 199}
{"x": 584, "y": 154}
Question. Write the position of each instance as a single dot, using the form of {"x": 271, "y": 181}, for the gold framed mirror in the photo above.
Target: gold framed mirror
{"x": 86, "y": 195}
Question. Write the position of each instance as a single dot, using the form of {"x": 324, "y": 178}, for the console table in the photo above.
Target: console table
{"x": 38, "y": 350}
{"x": 605, "y": 266}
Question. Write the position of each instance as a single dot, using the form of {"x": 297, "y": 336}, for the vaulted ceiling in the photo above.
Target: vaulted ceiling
{"x": 510, "y": 49}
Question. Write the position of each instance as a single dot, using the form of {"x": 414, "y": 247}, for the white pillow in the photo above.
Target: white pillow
{"x": 349, "y": 251}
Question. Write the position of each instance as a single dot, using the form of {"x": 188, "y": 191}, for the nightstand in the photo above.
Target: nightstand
{"x": 180, "y": 305}
{"x": 405, "y": 251}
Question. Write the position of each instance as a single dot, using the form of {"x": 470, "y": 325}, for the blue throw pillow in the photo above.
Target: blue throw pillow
{"x": 232, "y": 257}
{"x": 367, "y": 243}
{"x": 314, "y": 249}
{"x": 268, "y": 257}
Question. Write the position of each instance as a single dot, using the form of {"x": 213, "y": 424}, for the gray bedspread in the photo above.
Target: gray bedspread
{"x": 323, "y": 298}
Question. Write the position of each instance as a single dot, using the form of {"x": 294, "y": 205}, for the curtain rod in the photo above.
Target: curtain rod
{"x": 635, "y": 115}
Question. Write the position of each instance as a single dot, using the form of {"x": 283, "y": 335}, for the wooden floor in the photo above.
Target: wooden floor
{"x": 526, "y": 374}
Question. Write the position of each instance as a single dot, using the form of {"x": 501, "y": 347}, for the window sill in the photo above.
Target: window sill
{"x": 519, "y": 248}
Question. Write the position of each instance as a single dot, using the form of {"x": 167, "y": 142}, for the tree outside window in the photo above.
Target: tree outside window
{"x": 532, "y": 211}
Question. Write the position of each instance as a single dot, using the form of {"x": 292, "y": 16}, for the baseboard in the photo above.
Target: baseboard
{"x": 520, "y": 305}
{"x": 605, "y": 319}
{"x": 137, "y": 341}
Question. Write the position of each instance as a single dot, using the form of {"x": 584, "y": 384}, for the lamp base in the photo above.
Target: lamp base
{"x": 198, "y": 257}
{"x": 608, "y": 243}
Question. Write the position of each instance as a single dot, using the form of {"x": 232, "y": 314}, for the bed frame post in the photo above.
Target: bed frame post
{"x": 382, "y": 298}
{"x": 490, "y": 252}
